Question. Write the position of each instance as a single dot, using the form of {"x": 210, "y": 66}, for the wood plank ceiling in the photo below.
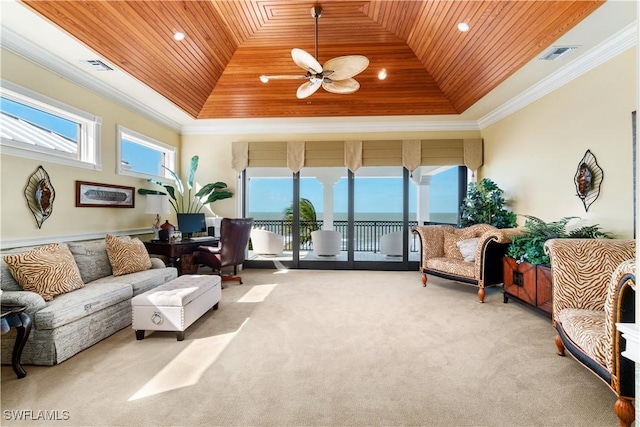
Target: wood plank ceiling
{"x": 432, "y": 67}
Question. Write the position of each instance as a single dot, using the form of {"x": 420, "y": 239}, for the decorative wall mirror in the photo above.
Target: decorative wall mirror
{"x": 40, "y": 194}
{"x": 588, "y": 179}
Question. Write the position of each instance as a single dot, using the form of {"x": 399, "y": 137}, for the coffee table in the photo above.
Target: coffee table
{"x": 13, "y": 316}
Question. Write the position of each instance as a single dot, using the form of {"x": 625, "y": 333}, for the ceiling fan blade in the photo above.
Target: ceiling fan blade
{"x": 341, "y": 86}
{"x": 304, "y": 60}
{"x": 345, "y": 67}
{"x": 307, "y": 89}
{"x": 265, "y": 78}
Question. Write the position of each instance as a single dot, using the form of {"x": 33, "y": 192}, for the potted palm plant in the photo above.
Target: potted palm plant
{"x": 191, "y": 202}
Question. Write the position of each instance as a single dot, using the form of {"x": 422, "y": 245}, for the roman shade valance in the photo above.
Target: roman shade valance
{"x": 354, "y": 153}
{"x": 324, "y": 153}
{"x": 295, "y": 155}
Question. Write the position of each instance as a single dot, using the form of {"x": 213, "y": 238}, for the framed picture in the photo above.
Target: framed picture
{"x": 95, "y": 195}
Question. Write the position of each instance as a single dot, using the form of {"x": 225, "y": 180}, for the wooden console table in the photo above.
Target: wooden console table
{"x": 528, "y": 283}
{"x": 177, "y": 250}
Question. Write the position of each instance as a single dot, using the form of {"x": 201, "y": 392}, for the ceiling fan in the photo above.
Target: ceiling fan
{"x": 336, "y": 76}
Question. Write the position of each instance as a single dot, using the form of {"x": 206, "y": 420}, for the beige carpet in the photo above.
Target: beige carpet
{"x": 326, "y": 348}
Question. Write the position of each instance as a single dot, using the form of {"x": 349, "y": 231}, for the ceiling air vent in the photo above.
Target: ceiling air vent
{"x": 97, "y": 65}
{"x": 557, "y": 52}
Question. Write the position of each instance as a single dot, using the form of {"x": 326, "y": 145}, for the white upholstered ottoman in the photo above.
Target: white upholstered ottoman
{"x": 175, "y": 305}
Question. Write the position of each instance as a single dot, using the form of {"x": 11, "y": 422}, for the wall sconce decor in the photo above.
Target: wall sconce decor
{"x": 40, "y": 194}
{"x": 588, "y": 179}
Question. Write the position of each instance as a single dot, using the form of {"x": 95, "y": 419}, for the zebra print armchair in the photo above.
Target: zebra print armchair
{"x": 593, "y": 289}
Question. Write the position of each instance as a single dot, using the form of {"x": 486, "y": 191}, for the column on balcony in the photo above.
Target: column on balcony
{"x": 328, "y": 177}
{"x": 424, "y": 187}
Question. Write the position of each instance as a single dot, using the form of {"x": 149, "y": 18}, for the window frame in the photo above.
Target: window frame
{"x": 169, "y": 151}
{"x": 89, "y": 133}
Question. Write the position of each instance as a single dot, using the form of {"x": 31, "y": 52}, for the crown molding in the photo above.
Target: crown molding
{"x": 40, "y": 56}
{"x": 598, "y": 55}
{"x": 326, "y": 125}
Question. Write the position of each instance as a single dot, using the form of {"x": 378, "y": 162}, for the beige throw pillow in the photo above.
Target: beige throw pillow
{"x": 47, "y": 270}
{"x": 127, "y": 255}
{"x": 468, "y": 248}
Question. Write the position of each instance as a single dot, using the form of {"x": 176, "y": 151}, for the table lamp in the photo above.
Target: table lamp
{"x": 157, "y": 204}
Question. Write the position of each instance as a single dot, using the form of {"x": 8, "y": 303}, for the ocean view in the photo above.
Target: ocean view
{"x": 446, "y": 217}
{"x": 376, "y": 198}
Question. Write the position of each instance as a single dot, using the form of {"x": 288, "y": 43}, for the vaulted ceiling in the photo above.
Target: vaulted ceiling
{"x": 432, "y": 67}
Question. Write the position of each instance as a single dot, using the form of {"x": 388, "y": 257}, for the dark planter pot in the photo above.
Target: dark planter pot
{"x": 528, "y": 283}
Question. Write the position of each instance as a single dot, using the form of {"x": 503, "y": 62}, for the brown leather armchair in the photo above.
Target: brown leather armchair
{"x": 234, "y": 238}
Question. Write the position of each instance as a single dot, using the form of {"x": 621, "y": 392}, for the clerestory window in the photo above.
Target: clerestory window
{"x": 35, "y": 126}
{"x": 142, "y": 156}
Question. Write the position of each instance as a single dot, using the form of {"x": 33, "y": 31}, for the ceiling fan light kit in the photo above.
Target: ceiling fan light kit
{"x": 336, "y": 76}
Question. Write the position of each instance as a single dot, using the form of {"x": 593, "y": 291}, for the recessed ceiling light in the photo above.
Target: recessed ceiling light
{"x": 382, "y": 74}
{"x": 264, "y": 79}
{"x": 178, "y": 36}
{"x": 463, "y": 26}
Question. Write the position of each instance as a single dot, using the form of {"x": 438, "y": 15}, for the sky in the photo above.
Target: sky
{"x": 372, "y": 195}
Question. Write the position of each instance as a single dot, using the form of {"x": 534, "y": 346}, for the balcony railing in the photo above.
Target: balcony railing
{"x": 366, "y": 233}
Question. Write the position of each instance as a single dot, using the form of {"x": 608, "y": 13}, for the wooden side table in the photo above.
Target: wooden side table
{"x": 13, "y": 316}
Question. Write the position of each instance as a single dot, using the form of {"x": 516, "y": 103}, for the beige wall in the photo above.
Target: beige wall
{"x": 16, "y": 219}
{"x": 533, "y": 154}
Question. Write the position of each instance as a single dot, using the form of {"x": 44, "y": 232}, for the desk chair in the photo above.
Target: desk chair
{"x": 234, "y": 238}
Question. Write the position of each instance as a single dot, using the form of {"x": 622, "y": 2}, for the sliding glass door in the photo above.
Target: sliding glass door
{"x": 328, "y": 217}
{"x": 268, "y": 199}
{"x": 323, "y": 206}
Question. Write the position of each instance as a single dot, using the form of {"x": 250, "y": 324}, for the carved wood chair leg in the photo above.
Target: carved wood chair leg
{"x": 559, "y": 345}
{"x": 625, "y": 411}
{"x": 481, "y": 294}
{"x": 424, "y": 279}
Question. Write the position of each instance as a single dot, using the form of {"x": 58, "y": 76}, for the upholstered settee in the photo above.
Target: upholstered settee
{"x": 593, "y": 289}
{"x": 471, "y": 255}
{"x": 98, "y": 304}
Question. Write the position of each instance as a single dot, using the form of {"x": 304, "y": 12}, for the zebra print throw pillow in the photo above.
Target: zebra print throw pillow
{"x": 127, "y": 255}
{"x": 47, "y": 270}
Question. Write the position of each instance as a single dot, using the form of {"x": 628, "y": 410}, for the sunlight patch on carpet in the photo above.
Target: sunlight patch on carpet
{"x": 258, "y": 293}
{"x": 187, "y": 368}
{"x": 280, "y": 267}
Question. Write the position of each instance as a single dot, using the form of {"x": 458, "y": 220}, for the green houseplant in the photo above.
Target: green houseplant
{"x": 529, "y": 246}
{"x": 484, "y": 204}
{"x": 191, "y": 202}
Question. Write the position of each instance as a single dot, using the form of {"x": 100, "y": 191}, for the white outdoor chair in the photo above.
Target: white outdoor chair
{"x": 266, "y": 242}
{"x": 391, "y": 244}
{"x": 326, "y": 242}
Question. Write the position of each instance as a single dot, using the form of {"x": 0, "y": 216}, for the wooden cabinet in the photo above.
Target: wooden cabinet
{"x": 528, "y": 283}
